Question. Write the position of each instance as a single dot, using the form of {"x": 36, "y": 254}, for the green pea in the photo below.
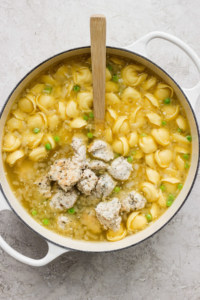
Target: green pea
{"x": 90, "y": 135}
{"x": 47, "y": 89}
{"x": 130, "y": 159}
{"x": 117, "y": 189}
{"x": 189, "y": 138}
{"x": 45, "y": 221}
{"x": 36, "y": 130}
{"x": 148, "y": 217}
{"x": 109, "y": 67}
{"x": 169, "y": 203}
{"x": 34, "y": 212}
{"x": 170, "y": 200}
{"x": 48, "y": 146}
{"x": 167, "y": 101}
{"x": 71, "y": 211}
{"x": 164, "y": 123}
{"x": 180, "y": 186}
{"x": 56, "y": 138}
{"x": 85, "y": 117}
{"x": 91, "y": 115}
{"x": 115, "y": 78}
{"x": 186, "y": 156}
{"x": 133, "y": 152}
{"x": 187, "y": 165}
{"x": 76, "y": 88}
{"x": 162, "y": 187}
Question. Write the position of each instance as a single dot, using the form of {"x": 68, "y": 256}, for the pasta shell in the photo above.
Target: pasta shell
{"x": 147, "y": 144}
{"x": 111, "y": 87}
{"x": 133, "y": 139}
{"x": 112, "y": 114}
{"x": 152, "y": 175}
{"x": 48, "y": 79}
{"x": 78, "y": 123}
{"x": 163, "y": 91}
{"x": 154, "y": 118}
{"x": 39, "y": 120}
{"x": 163, "y": 158}
{"x": 121, "y": 125}
{"x": 112, "y": 99}
{"x": 108, "y": 135}
{"x": 155, "y": 211}
{"x": 121, "y": 146}
{"x": 172, "y": 180}
{"x": 161, "y": 136}
{"x": 37, "y": 89}
{"x": 116, "y": 60}
{"x": 27, "y": 104}
{"x": 49, "y": 139}
{"x": 71, "y": 109}
{"x": 152, "y": 99}
{"x": 108, "y": 75}
{"x": 180, "y": 138}
{"x": 14, "y": 124}
{"x": 130, "y": 75}
{"x": 118, "y": 235}
{"x": 149, "y": 83}
{"x": 53, "y": 121}
{"x": 13, "y": 157}
{"x": 38, "y": 154}
{"x": 19, "y": 114}
{"x": 170, "y": 112}
{"x": 32, "y": 140}
{"x": 45, "y": 102}
{"x": 130, "y": 219}
{"x": 82, "y": 76}
{"x": 134, "y": 113}
{"x": 62, "y": 110}
{"x": 181, "y": 123}
{"x": 85, "y": 100}
{"x": 183, "y": 150}
{"x": 162, "y": 200}
{"x": 139, "y": 222}
{"x": 10, "y": 142}
{"x": 180, "y": 164}
{"x": 61, "y": 73}
{"x": 150, "y": 161}
{"x": 130, "y": 94}
{"x": 150, "y": 192}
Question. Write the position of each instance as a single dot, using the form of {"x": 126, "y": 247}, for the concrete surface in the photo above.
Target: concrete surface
{"x": 166, "y": 266}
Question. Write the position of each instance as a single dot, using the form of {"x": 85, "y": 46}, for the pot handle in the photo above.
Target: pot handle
{"x": 140, "y": 46}
{"x": 53, "y": 250}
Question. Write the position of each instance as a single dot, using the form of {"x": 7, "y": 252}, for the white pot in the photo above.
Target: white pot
{"x": 59, "y": 244}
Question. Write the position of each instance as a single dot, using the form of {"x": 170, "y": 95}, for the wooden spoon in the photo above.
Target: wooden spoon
{"x": 98, "y": 55}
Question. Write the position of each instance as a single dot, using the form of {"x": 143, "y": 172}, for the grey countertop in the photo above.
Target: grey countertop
{"x": 166, "y": 266}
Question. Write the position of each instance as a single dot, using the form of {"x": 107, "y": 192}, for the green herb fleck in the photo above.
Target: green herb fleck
{"x": 187, "y": 165}
{"x": 162, "y": 187}
{"x": 34, "y": 212}
{"x": 91, "y": 115}
{"x": 76, "y": 88}
{"x": 179, "y": 130}
{"x": 90, "y": 135}
{"x": 85, "y": 117}
{"x": 164, "y": 123}
{"x": 45, "y": 221}
{"x": 47, "y": 89}
{"x": 117, "y": 189}
{"x": 186, "y": 156}
{"x": 109, "y": 67}
{"x": 130, "y": 159}
{"x": 189, "y": 138}
{"x": 71, "y": 211}
{"x": 180, "y": 186}
{"x": 115, "y": 78}
{"x": 36, "y": 130}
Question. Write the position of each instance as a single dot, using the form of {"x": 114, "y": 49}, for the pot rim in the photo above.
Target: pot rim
{"x": 191, "y": 185}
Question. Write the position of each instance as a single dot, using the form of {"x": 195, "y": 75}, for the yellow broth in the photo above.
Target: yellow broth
{"x": 58, "y": 104}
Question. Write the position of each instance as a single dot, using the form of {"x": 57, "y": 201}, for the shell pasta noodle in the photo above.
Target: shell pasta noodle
{"x": 97, "y": 184}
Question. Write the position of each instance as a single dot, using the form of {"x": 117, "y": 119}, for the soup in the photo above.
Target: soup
{"x": 97, "y": 184}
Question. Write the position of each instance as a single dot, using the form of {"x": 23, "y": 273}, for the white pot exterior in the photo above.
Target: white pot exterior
{"x": 59, "y": 244}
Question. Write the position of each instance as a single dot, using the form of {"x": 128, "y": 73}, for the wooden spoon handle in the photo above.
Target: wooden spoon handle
{"x": 98, "y": 54}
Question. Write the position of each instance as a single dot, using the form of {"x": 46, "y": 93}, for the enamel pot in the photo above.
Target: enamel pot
{"x": 58, "y": 244}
